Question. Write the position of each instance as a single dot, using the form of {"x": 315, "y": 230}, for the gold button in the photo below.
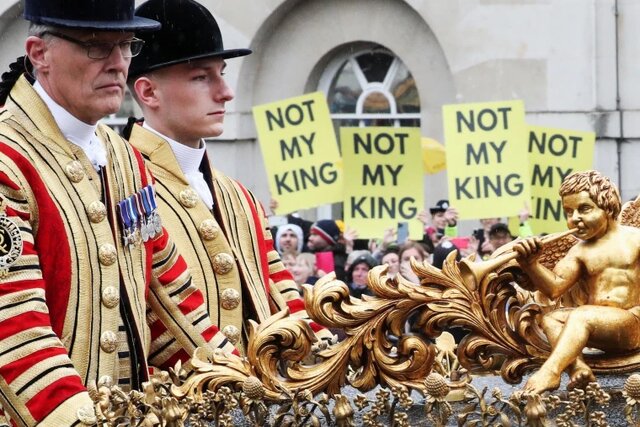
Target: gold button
{"x": 230, "y": 299}
{"x": 232, "y": 333}
{"x": 188, "y": 198}
{"x": 105, "y": 381}
{"x": 74, "y": 171}
{"x": 97, "y": 212}
{"x": 87, "y": 415}
{"x": 108, "y": 341}
{"x": 107, "y": 254}
{"x": 222, "y": 263}
{"x": 209, "y": 229}
{"x": 110, "y": 297}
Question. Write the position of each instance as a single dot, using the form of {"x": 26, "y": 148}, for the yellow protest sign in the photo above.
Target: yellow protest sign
{"x": 300, "y": 152}
{"x": 487, "y": 167}
{"x": 554, "y": 154}
{"x": 383, "y": 179}
{"x": 433, "y": 156}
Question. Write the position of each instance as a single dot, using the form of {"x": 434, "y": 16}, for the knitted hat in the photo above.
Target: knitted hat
{"x": 327, "y": 229}
{"x": 286, "y": 227}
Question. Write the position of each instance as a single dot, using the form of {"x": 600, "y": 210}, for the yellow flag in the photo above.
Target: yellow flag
{"x": 433, "y": 156}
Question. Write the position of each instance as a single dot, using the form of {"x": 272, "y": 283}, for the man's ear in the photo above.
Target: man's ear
{"x": 36, "y": 49}
{"x": 145, "y": 89}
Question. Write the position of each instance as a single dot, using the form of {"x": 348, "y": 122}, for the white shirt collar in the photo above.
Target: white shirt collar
{"x": 189, "y": 160}
{"x": 75, "y": 130}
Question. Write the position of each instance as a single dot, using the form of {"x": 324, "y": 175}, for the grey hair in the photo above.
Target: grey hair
{"x": 37, "y": 29}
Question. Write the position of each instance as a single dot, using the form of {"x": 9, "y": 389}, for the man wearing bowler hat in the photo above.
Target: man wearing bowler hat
{"x": 216, "y": 222}
{"x": 83, "y": 296}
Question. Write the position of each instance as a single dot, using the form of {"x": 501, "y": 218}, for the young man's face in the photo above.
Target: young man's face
{"x": 288, "y": 241}
{"x": 191, "y": 99}
{"x": 316, "y": 243}
{"x": 582, "y": 213}
{"x": 438, "y": 220}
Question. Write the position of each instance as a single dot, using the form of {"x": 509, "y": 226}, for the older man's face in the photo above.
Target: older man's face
{"x": 89, "y": 89}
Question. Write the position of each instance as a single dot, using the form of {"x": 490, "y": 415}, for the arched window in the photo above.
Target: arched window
{"x": 371, "y": 87}
{"x": 367, "y": 85}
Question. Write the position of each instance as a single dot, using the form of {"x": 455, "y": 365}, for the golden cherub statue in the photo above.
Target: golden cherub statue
{"x": 606, "y": 260}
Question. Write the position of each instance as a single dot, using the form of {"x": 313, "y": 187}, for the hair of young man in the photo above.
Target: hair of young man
{"x": 599, "y": 187}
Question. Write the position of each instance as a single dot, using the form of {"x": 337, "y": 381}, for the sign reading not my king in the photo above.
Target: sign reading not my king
{"x": 383, "y": 179}
{"x": 553, "y": 155}
{"x": 300, "y": 152}
{"x": 487, "y": 159}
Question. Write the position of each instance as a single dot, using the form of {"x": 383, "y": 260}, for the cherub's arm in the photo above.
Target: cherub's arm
{"x": 551, "y": 283}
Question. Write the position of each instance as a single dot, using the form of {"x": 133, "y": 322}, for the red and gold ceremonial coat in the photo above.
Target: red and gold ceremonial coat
{"x": 76, "y": 304}
{"x": 229, "y": 249}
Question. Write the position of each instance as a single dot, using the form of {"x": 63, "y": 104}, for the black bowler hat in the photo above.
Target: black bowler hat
{"x": 106, "y": 15}
{"x": 189, "y": 32}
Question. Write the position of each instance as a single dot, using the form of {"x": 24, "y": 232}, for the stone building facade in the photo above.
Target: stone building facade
{"x": 573, "y": 62}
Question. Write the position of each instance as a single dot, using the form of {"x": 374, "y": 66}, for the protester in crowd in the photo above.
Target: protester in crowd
{"x": 443, "y": 250}
{"x": 178, "y": 81}
{"x": 485, "y": 248}
{"x": 304, "y": 270}
{"x": 353, "y": 256}
{"x": 325, "y": 236}
{"x": 289, "y": 261}
{"x": 441, "y": 221}
{"x": 358, "y": 273}
{"x": 411, "y": 249}
{"x": 289, "y": 238}
{"x": 499, "y": 235}
{"x": 93, "y": 288}
{"x": 392, "y": 260}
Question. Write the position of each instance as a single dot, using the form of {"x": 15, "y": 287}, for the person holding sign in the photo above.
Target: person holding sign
{"x": 606, "y": 265}
{"x": 221, "y": 229}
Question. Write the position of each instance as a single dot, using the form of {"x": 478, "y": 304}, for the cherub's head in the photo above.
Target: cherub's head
{"x": 600, "y": 188}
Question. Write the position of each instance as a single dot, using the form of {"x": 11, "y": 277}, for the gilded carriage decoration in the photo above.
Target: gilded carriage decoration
{"x": 493, "y": 300}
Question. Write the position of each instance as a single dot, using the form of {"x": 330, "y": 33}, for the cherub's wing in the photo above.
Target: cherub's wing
{"x": 630, "y": 213}
{"x": 550, "y": 254}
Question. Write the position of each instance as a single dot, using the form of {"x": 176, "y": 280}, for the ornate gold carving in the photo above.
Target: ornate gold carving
{"x": 97, "y": 211}
{"x": 74, "y": 170}
{"x": 209, "y": 229}
{"x": 188, "y": 198}
{"x": 107, "y": 254}
{"x": 230, "y": 299}
{"x": 110, "y": 297}
{"x": 222, "y": 263}
{"x": 108, "y": 341}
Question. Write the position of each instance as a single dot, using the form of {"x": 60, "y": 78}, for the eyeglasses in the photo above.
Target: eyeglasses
{"x": 102, "y": 50}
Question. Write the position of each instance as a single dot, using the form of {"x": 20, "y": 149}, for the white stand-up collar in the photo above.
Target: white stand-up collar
{"x": 75, "y": 130}
{"x": 189, "y": 160}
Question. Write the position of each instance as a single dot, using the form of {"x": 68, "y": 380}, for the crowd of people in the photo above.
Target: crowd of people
{"x": 304, "y": 246}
